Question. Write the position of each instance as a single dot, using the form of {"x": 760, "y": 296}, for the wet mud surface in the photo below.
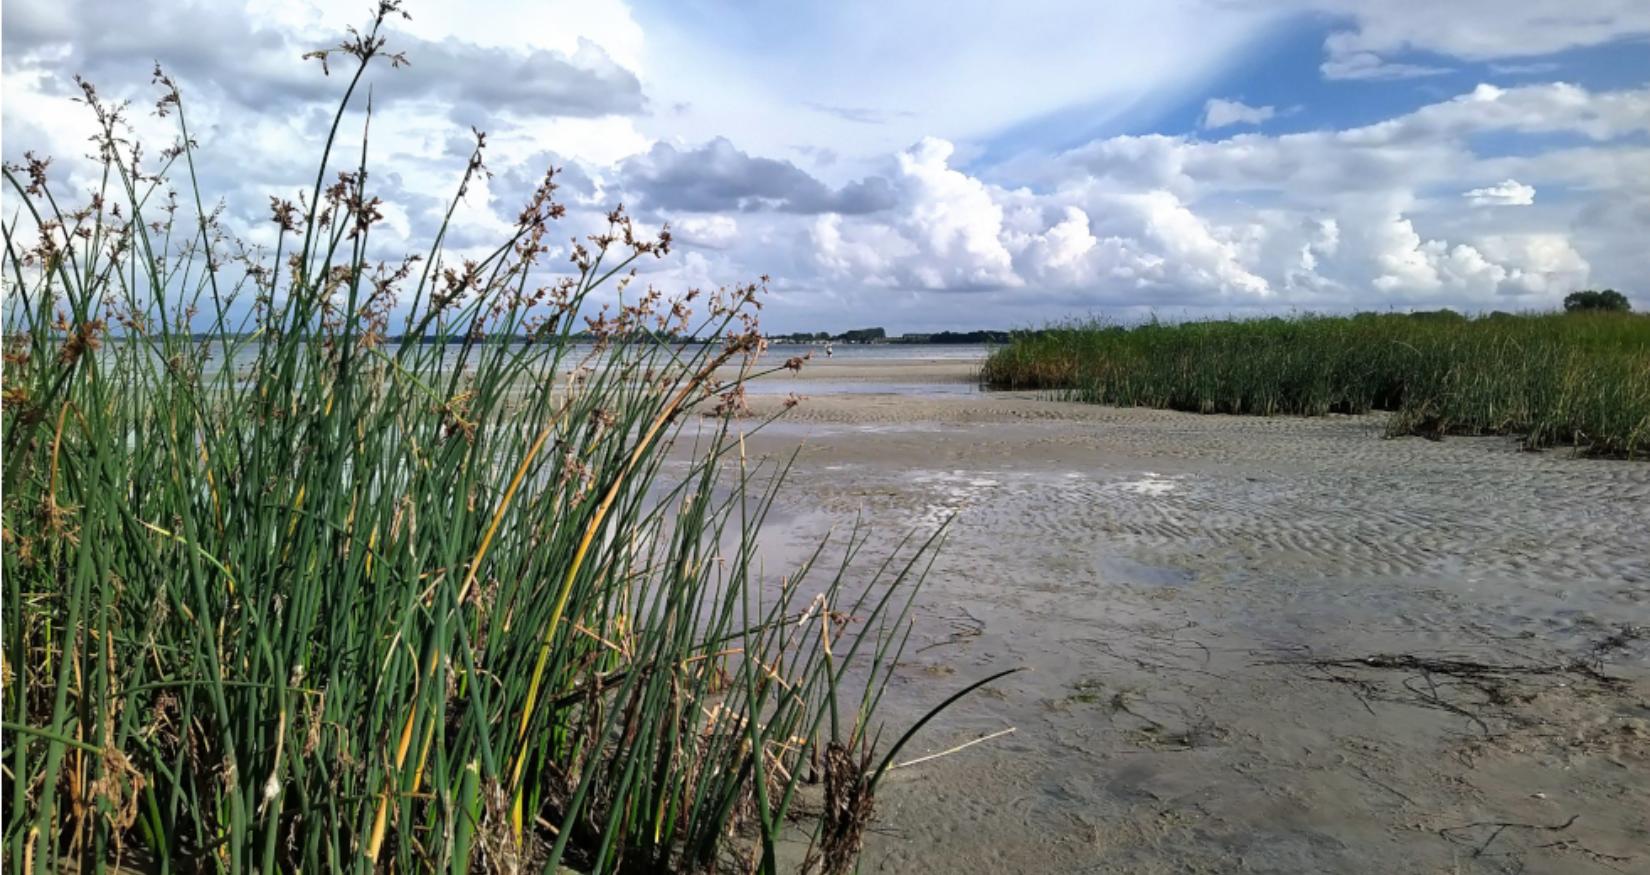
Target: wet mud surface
{"x": 1256, "y": 645}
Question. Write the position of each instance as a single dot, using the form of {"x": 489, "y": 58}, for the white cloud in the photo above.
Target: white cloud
{"x": 1321, "y": 219}
{"x": 1370, "y": 66}
{"x": 953, "y": 221}
{"x": 1534, "y": 68}
{"x": 1060, "y": 254}
{"x": 1542, "y": 264}
{"x": 1200, "y": 256}
{"x": 1486, "y": 29}
{"x": 558, "y": 25}
{"x": 1220, "y": 113}
{"x": 864, "y": 258}
{"x": 1415, "y": 270}
{"x": 1469, "y": 30}
{"x": 1527, "y": 109}
{"x": 1429, "y": 145}
{"x": 1161, "y": 218}
{"x": 1381, "y": 214}
{"x": 980, "y": 66}
{"x": 1509, "y": 193}
{"x": 713, "y": 231}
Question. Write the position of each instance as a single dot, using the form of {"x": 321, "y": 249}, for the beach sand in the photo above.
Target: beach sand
{"x": 823, "y": 376}
{"x": 1256, "y": 644}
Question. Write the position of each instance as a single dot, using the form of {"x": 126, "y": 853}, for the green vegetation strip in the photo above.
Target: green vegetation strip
{"x": 1579, "y": 379}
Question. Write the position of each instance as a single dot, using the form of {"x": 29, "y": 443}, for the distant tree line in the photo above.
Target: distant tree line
{"x": 880, "y": 335}
{"x": 1608, "y": 300}
{"x": 1584, "y": 301}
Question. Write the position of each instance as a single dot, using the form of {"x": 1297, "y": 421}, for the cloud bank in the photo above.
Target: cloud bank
{"x": 889, "y": 203}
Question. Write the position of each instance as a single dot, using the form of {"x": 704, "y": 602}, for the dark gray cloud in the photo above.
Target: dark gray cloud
{"x": 215, "y": 47}
{"x": 513, "y": 185}
{"x": 718, "y": 176}
{"x": 115, "y": 45}
{"x": 587, "y": 83}
{"x": 236, "y": 73}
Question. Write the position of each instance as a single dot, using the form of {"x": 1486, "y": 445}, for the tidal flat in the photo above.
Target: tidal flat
{"x": 1255, "y": 643}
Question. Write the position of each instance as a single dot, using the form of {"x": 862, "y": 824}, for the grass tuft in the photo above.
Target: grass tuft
{"x": 301, "y": 596}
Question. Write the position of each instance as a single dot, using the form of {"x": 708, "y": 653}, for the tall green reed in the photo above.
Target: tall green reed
{"x": 1574, "y": 379}
{"x": 301, "y": 595}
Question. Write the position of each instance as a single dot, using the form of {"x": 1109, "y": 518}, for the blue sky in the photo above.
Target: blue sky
{"x": 1279, "y": 67}
{"x": 957, "y": 165}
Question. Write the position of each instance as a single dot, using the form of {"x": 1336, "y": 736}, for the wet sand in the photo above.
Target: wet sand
{"x": 1260, "y": 645}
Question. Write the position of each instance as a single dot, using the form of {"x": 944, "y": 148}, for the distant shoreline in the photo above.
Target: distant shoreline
{"x": 973, "y": 338}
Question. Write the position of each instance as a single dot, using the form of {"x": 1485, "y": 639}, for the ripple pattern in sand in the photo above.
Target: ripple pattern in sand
{"x": 1139, "y": 560}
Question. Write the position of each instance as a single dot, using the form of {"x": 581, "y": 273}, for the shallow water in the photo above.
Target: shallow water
{"x": 807, "y": 388}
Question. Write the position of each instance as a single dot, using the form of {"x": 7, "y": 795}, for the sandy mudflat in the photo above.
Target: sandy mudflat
{"x": 1169, "y": 578}
{"x": 820, "y": 373}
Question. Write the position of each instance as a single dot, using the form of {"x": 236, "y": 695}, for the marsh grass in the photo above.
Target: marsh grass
{"x": 1559, "y": 379}
{"x": 303, "y": 597}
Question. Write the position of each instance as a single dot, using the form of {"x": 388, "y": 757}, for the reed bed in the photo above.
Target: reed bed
{"x": 303, "y": 597}
{"x": 1571, "y": 379}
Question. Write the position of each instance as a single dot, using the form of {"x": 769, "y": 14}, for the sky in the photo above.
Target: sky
{"x": 928, "y": 166}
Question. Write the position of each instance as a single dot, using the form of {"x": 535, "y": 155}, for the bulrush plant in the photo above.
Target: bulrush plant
{"x": 1554, "y": 379}
{"x": 284, "y": 593}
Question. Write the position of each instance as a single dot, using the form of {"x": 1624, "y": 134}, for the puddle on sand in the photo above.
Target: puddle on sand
{"x": 1123, "y": 570}
{"x": 1151, "y": 484}
{"x": 806, "y": 388}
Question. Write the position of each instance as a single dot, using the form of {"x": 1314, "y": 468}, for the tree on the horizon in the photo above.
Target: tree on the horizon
{"x": 1608, "y": 300}
{"x": 862, "y": 335}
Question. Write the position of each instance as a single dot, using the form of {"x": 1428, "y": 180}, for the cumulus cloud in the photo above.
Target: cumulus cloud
{"x": 1345, "y": 219}
{"x": 1220, "y": 113}
{"x": 849, "y": 253}
{"x": 713, "y": 232}
{"x": 944, "y": 231}
{"x": 1428, "y": 145}
{"x": 222, "y": 52}
{"x": 953, "y": 232}
{"x": 1061, "y": 254}
{"x": 1414, "y": 269}
{"x": 1508, "y": 193}
{"x": 953, "y": 218}
{"x": 1557, "y": 106}
{"x": 1374, "y": 215}
{"x": 1200, "y": 257}
{"x": 534, "y": 82}
{"x": 1318, "y": 219}
{"x": 260, "y": 113}
{"x": 1542, "y": 264}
